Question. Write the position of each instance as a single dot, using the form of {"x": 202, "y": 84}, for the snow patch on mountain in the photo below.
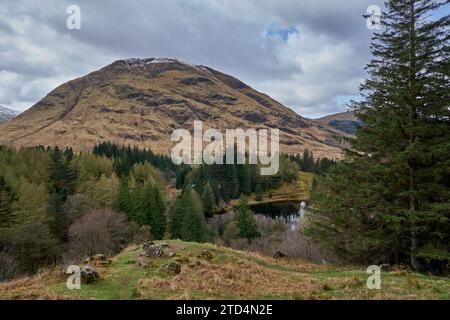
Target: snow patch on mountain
{"x": 133, "y": 63}
{"x": 7, "y": 114}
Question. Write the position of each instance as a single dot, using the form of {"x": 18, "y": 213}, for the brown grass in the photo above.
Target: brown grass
{"x": 222, "y": 281}
{"x": 228, "y": 274}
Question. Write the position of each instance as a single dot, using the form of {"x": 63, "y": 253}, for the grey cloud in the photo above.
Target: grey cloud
{"x": 226, "y": 35}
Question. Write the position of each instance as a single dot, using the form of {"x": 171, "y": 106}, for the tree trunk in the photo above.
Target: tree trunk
{"x": 412, "y": 116}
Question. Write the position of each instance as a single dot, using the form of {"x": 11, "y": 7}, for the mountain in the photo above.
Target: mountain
{"x": 344, "y": 121}
{"x": 141, "y": 101}
{"x": 7, "y": 114}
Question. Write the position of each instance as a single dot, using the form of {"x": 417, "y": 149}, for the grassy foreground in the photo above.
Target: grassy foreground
{"x": 225, "y": 274}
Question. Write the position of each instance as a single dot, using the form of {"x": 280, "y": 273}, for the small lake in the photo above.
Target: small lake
{"x": 291, "y": 212}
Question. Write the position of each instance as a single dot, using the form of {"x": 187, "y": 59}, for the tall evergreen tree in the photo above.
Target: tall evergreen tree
{"x": 5, "y": 204}
{"x": 58, "y": 220}
{"x": 194, "y": 224}
{"x": 391, "y": 197}
{"x": 62, "y": 177}
{"x": 122, "y": 202}
{"x": 307, "y": 163}
{"x": 208, "y": 200}
{"x": 245, "y": 220}
{"x": 258, "y": 193}
{"x": 158, "y": 215}
{"x": 62, "y": 184}
{"x": 244, "y": 175}
{"x": 149, "y": 208}
{"x": 187, "y": 219}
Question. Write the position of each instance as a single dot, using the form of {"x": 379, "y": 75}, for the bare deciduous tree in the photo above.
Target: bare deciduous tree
{"x": 100, "y": 231}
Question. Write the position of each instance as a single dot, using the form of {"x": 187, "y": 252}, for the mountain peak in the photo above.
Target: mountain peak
{"x": 133, "y": 63}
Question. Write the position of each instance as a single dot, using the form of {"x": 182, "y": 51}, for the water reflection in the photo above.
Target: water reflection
{"x": 291, "y": 212}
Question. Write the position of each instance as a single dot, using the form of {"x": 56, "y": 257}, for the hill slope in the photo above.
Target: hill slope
{"x": 7, "y": 114}
{"x": 141, "y": 101}
{"x": 344, "y": 121}
{"x": 213, "y": 272}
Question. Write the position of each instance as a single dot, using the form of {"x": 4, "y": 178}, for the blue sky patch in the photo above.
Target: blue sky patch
{"x": 276, "y": 31}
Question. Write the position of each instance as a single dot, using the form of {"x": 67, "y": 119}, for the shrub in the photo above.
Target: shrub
{"x": 9, "y": 267}
{"x": 34, "y": 247}
{"x": 77, "y": 205}
{"x": 100, "y": 231}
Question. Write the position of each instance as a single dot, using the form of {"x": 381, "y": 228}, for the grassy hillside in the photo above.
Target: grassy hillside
{"x": 224, "y": 273}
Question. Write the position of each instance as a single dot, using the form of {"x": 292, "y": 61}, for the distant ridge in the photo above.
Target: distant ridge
{"x": 343, "y": 121}
{"x": 7, "y": 114}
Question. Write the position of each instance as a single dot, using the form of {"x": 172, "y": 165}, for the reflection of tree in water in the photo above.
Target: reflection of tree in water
{"x": 290, "y": 212}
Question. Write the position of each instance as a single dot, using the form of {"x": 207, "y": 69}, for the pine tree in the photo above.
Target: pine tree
{"x": 187, "y": 221}
{"x": 208, "y": 199}
{"x": 158, "y": 216}
{"x": 244, "y": 176}
{"x": 194, "y": 226}
{"x": 391, "y": 197}
{"x": 245, "y": 221}
{"x": 230, "y": 181}
{"x": 58, "y": 221}
{"x": 122, "y": 202}
{"x": 62, "y": 178}
{"x": 5, "y": 204}
{"x": 138, "y": 212}
{"x": 148, "y": 208}
{"x": 176, "y": 216}
{"x": 308, "y": 161}
{"x": 258, "y": 193}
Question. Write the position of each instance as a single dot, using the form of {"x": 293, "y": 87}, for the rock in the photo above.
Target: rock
{"x": 206, "y": 255}
{"x": 279, "y": 255}
{"x": 154, "y": 251}
{"x": 172, "y": 268}
{"x": 438, "y": 267}
{"x": 182, "y": 260}
{"x": 88, "y": 274}
{"x": 164, "y": 244}
{"x": 98, "y": 259}
{"x": 162, "y": 250}
{"x": 148, "y": 244}
{"x": 386, "y": 267}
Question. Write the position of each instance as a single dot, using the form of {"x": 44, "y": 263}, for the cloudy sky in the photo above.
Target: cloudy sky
{"x": 307, "y": 54}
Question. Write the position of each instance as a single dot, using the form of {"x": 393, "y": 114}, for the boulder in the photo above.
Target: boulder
{"x": 171, "y": 268}
{"x": 164, "y": 244}
{"x": 163, "y": 250}
{"x": 100, "y": 259}
{"x": 279, "y": 255}
{"x": 88, "y": 274}
{"x": 148, "y": 244}
{"x": 206, "y": 254}
{"x": 154, "y": 251}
